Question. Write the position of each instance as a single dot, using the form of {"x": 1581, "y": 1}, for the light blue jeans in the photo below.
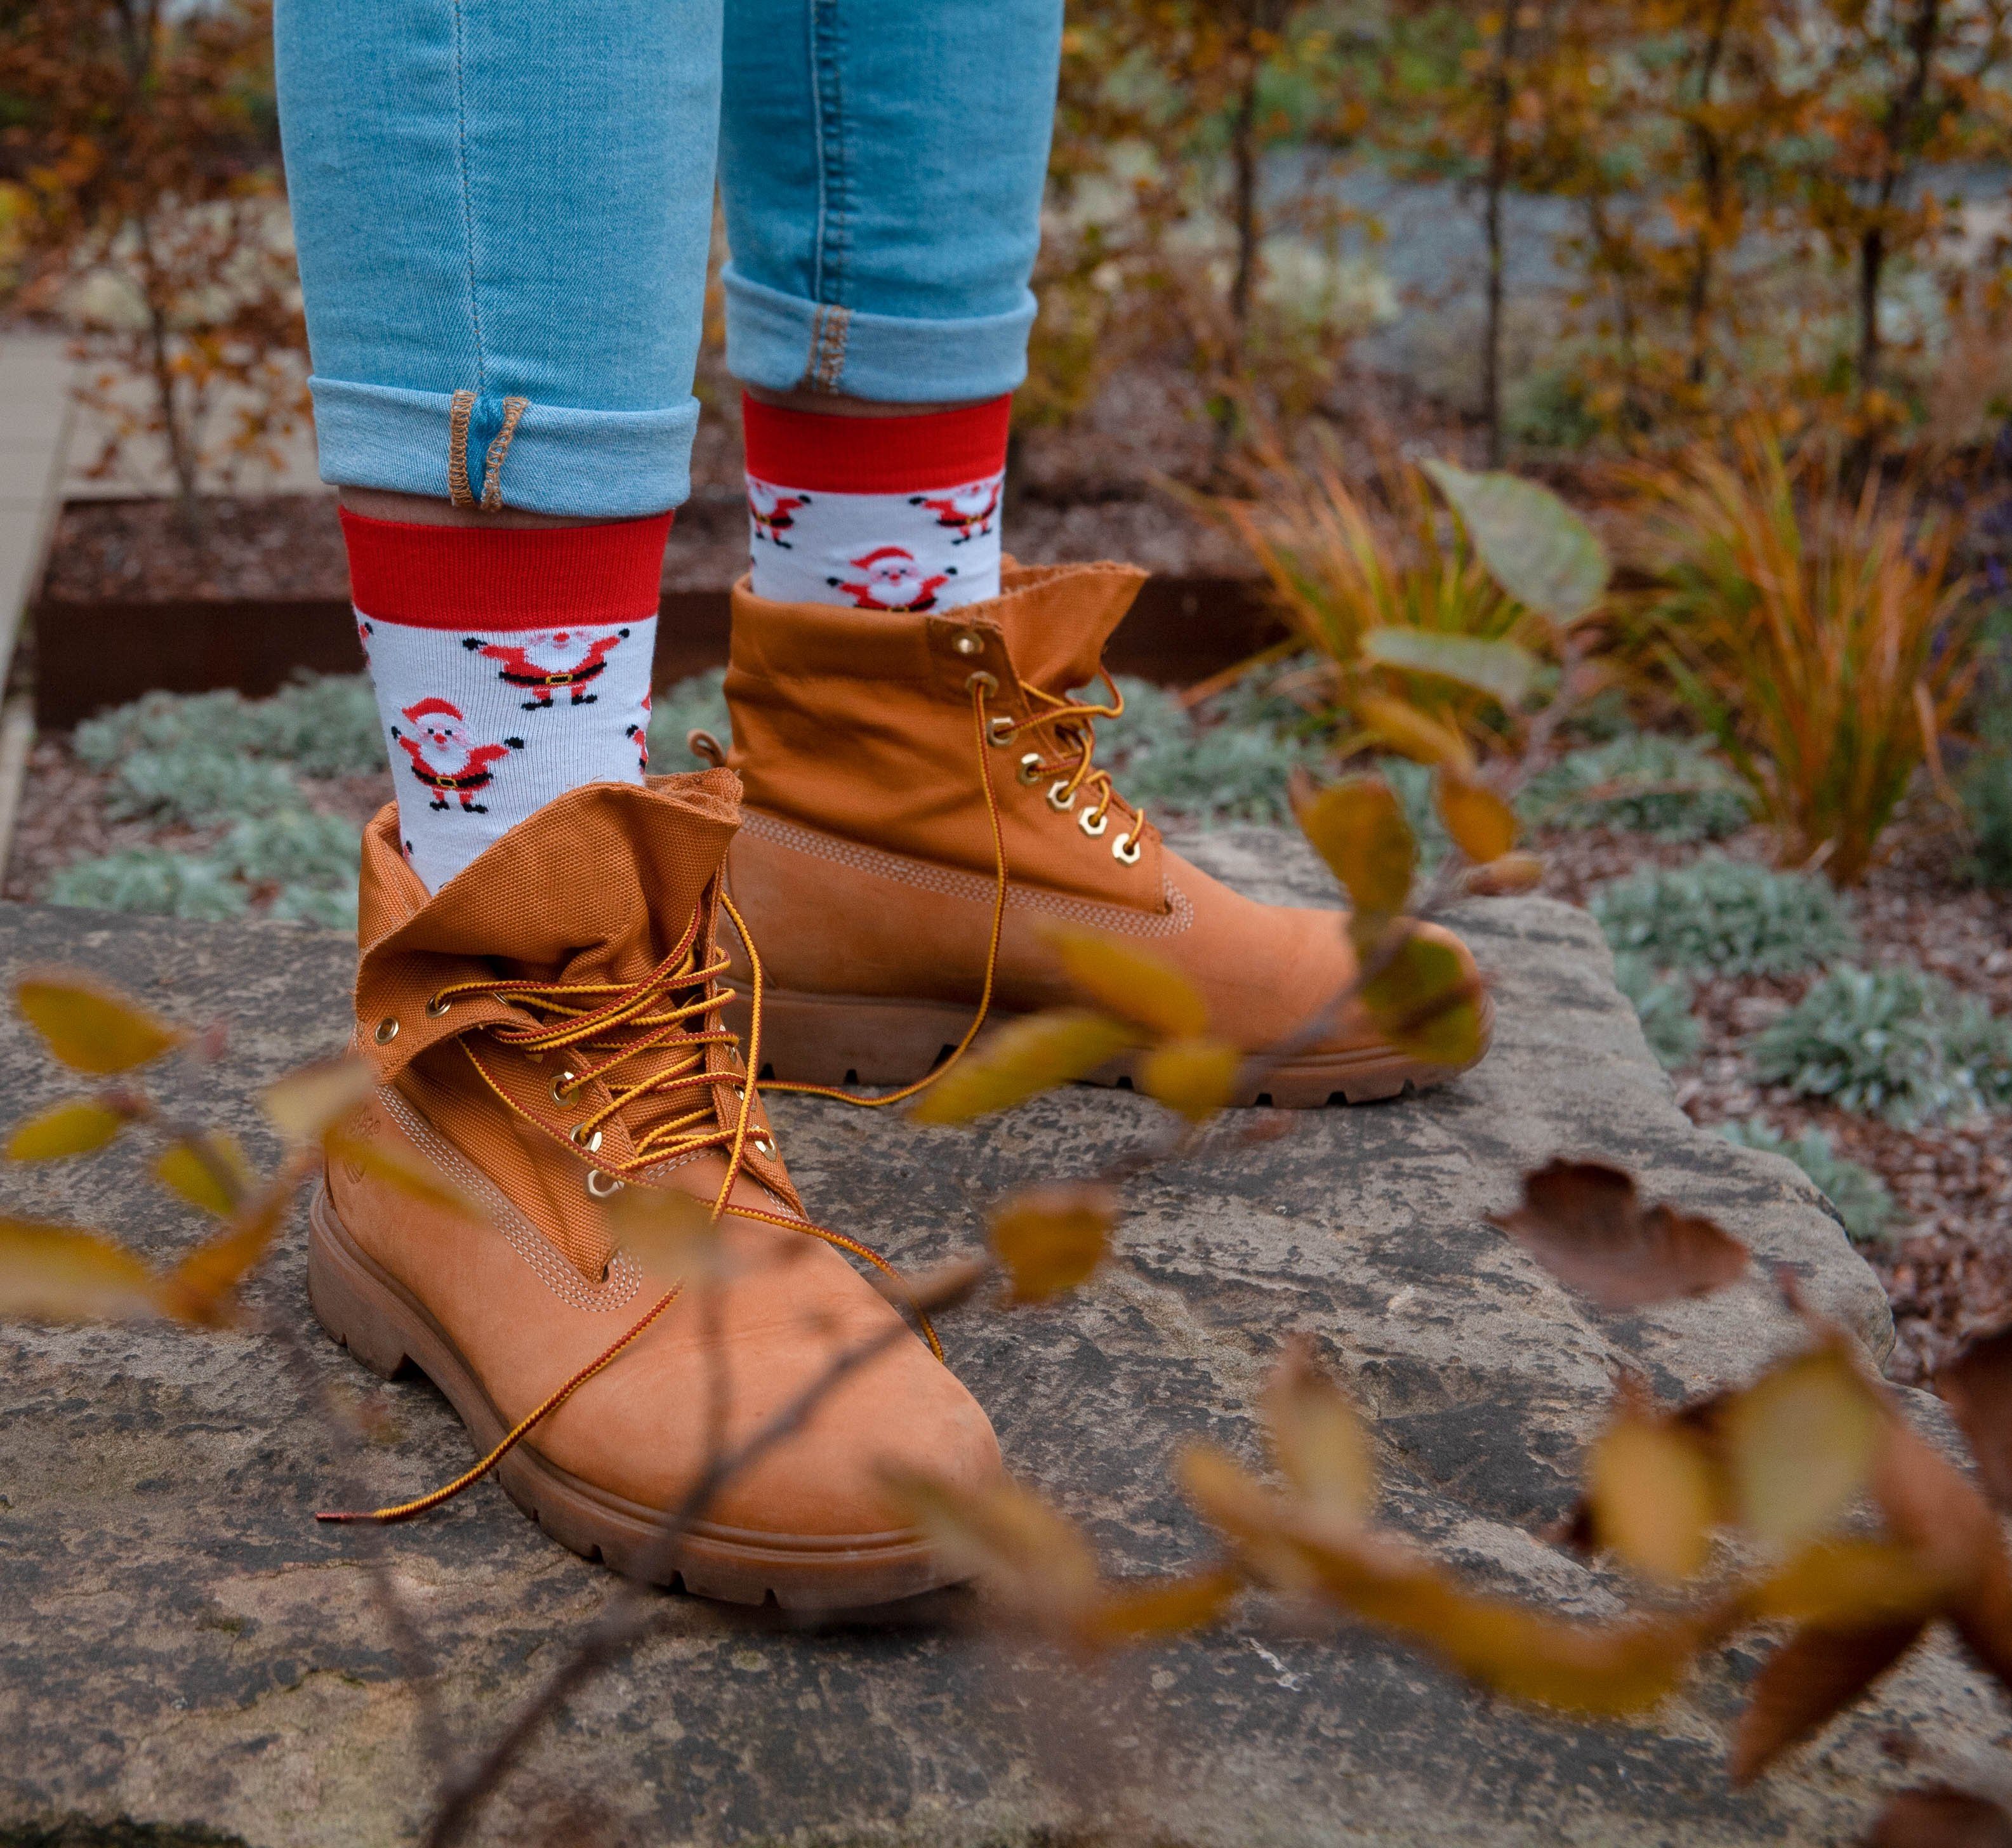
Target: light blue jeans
{"x": 513, "y": 199}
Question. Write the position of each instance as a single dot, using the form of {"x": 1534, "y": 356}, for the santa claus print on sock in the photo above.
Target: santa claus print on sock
{"x": 545, "y": 661}
{"x": 966, "y": 513}
{"x": 772, "y": 511}
{"x": 445, "y": 757}
{"x": 638, "y": 734}
{"x": 889, "y": 578}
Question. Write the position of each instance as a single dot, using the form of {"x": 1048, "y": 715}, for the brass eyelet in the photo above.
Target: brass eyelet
{"x": 1093, "y": 824}
{"x": 968, "y": 643}
{"x": 591, "y": 1143}
{"x": 764, "y": 1148}
{"x": 1125, "y": 850}
{"x": 1030, "y": 768}
{"x": 602, "y": 1186}
{"x": 439, "y": 1005}
{"x": 1061, "y": 798}
{"x": 560, "y": 1085}
{"x": 387, "y": 1030}
{"x": 1002, "y": 728}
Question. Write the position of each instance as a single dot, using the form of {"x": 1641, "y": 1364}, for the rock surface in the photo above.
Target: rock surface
{"x": 182, "y": 1646}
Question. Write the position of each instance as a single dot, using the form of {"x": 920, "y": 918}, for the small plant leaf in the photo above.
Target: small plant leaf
{"x": 1196, "y": 1078}
{"x": 1652, "y": 1497}
{"x": 1978, "y": 1386}
{"x": 1028, "y": 1552}
{"x": 1535, "y": 546}
{"x": 1317, "y": 1441}
{"x": 76, "y": 1128}
{"x": 1357, "y": 826}
{"x": 92, "y": 1029}
{"x": 304, "y": 1105}
{"x": 1403, "y": 728}
{"x": 1507, "y": 877}
{"x": 1501, "y": 669}
{"x": 1585, "y": 1224}
{"x": 1936, "y": 1816}
{"x": 203, "y": 1288}
{"x": 1800, "y": 1444}
{"x": 215, "y": 1177}
{"x": 1841, "y": 1583}
{"x": 1022, "y": 1059}
{"x": 1483, "y": 826}
{"x": 365, "y": 1159}
{"x": 672, "y": 1236}
{"x": 1811, "y": 1678}
{"x": 1160, "y": 1608}
{"x": 1052, "y": 1238}
{"x": 1426, "y": 1002}
{"x": 60, "y": 1273}
{"x": 1133, "y": 985}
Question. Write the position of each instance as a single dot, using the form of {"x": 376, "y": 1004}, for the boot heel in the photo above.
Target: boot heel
{"x": 342, "y": 1296}
{"x": 845, "y": 1039}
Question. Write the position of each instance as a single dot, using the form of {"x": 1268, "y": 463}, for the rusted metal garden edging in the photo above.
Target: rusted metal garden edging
{"x": 89, "y": 656}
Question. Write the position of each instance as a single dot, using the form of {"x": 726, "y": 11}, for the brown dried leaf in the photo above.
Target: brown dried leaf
{"x": 1410, "y": 733}
{"x": 1507, "y": 877}
{"x": 304, "y": 1105}
{"x": 1978, "y": 1386}
{"x": 1031, "y": 1555}
{"x": 1800, "y": 1444}
{"x": 672, "y": 1236}
{"x": 1132, "y": 984}
{"x": 1811, "y": 1678}
{"x": 79, "y": 1127}
{"x": 426, "y": 1186}
{"x": 1357, "y": 826}
{"x": 214, "y": 1175}
{"x": 1651, "y": 1495}
{"x": 1022, "y": 1059}
{"x": 1425, "y": 1002}
{"x": 1051, "y": 1238}
{"x": 1936, "y": 1817}
{"x": 90, "y": 1028}
{"x": 1160, "y": 1608}
{"x": 61, "y": 1273}
{"x": 1317, "y": 1441}
{"x": 1483, "y": 826}
{"x": 1195, "y": 1078}
{"x": 203, "y": 1287}
{"x": 1585, "y": 1224}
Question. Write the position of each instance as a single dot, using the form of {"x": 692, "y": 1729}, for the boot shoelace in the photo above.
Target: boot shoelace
{"x": 671, "y": 1013}
{"x": 1073, "y": 725}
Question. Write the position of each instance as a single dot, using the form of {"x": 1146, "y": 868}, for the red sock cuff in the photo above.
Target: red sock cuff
{"x": 505, "y": 577}
{"x": 875, "y": 456}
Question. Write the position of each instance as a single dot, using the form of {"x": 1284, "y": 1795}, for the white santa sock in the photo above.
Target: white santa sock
{"x": 889, "y": 513}
{"x": 509, "y": 666}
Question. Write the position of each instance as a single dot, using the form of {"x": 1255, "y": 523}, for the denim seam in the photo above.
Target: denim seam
{"x": 834, "y": 176}
{"x": 467, "y": 195}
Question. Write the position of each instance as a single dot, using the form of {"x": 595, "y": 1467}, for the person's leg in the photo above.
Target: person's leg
{"x": 883, "y": 167}
{"x": 503, "y": 214}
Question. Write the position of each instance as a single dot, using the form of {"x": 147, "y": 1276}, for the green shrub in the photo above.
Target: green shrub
{"x": 1662, "y": 1001}
{"x": 1900, "y": 1042}
{"x": 218, "y": 722}
{"x": 1727, "y": 917}
{"x": 1230, "y": 771}
{"x": 695, "y": 705}
{"x": 324, "y": 725}
{"x": 1986, "y": 788}
{"x": 150, "y": 878}
{"x": 320, "y": 851}
{"x": 197, "y": 783}
{"x": 1642, "y": 782}
{"x": 331, "y": 908}
{"x": 1859, "y": 1196}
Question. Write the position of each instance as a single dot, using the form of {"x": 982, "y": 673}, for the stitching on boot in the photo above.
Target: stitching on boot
{"x": 950, "y": 884}
{"x": 492, "y": 468}
{"x": 625, "y": 1275}
{"x": 828, "y": 332}
{"x": 461, "y": 407}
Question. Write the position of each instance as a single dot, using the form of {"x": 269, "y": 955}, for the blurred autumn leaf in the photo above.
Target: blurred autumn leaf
{"x": 1800, "y": 1445}
{"x": 1977, "y": 1386}
{"x": 62, "y": 1273}
{"x": 1132, "y": 984}
{"x": 90, "y": 1028}
{"x": 1195, "y": 1078}
{"x": 1814, "y": 1676}
{"x": 1049, "y": 1239}
{"x": 1404, "y": 728}
{"x": 1357, "y": 826}
{"x": 1317, "y": 1441}
{"x": 1021, "y": 1060}
{"x": 211, "y": 1173}
{"x": 1650, "y": 1492}
{"x": 1534, "y": 545}
{"x": 1936, "y": 1816}
{"x": 672, "y": 1236}
{"x": 304, "y": 1105}
{"x": 1483, "y": 826}
{"x": 79, "y": 1127}
{"x": 1426, "y": 1001}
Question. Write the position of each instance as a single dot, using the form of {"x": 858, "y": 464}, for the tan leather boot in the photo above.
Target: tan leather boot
{"x": 866, "y": 866}
{"x": 545, "y": 1030}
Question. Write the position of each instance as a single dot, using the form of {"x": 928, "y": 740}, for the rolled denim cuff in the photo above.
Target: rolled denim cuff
{"x": 787, "y": 344}
{"x": 590, "y": 465}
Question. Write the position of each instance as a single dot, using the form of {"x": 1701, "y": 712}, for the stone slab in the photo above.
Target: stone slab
{"x": 179, "y": 1644}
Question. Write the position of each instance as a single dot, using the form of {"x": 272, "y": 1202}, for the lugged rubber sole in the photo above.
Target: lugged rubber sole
{"x": 875, "y": 1041}
{"x": 385, "y": 1327}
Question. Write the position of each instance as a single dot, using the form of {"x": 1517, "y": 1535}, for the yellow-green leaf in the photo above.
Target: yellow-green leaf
{"x": 1653, "y": 1498}
{"x": 1534, "y": 546}
{"x": 59, "y": 1273}
{"x": 203, "y": 1287}
{"x": 1021, "y": 1060}
{"x": 75, "y": 1127}
{"x": 1196, "y": 1077}
{"x": 1318, "y": 1439}
{"x": 92, "y": 1029}
{"x": 1501, "y": 669}
{"x": 1483, "y": 826}
{"x": 206, "y": 1177}
{"x": 1426, "y": 1002}
{"x": 1052, "y": 1238}
{"x": 1412, "y": 733}
{"x": 304, "y": 1105}
{"x": 1132, "y": 984}
{"x": 1800, "y": 1443}
{"x": 1357, "y": 826}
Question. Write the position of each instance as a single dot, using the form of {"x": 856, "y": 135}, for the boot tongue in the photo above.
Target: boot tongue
{"x": 1056, "y": 618}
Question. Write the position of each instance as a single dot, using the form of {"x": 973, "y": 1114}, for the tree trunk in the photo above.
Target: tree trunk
{"x": 1244, "y": 225}
{"x": 1502, "y": 100}
{"x": 1903, "y": 122}
{"x": 1711, "y": 186}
